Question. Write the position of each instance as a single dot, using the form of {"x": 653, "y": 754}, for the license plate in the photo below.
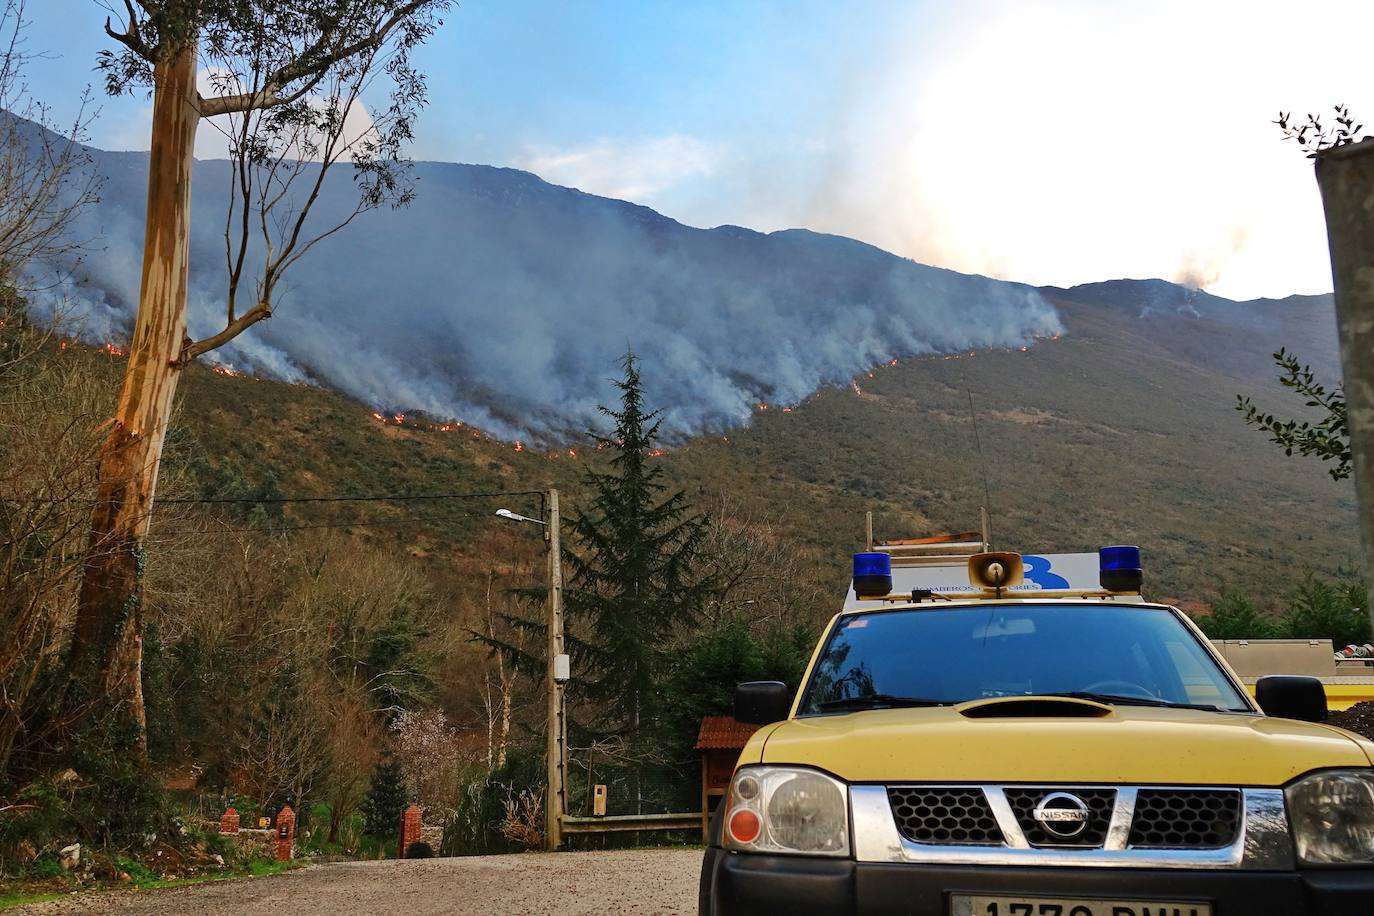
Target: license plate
{"x": 979, "y": 905}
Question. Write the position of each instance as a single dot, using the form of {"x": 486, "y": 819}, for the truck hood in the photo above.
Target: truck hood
{"x": 1123, "y": 744}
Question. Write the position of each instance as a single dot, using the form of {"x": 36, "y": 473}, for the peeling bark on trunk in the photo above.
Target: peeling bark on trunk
{"x": 1346, "y": 178}
{"x": 107, "y": 643}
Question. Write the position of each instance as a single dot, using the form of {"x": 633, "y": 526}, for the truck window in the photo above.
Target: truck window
{"x": 972, "y": 652}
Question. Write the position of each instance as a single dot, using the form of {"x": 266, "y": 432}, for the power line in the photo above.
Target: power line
{"x": 316, "y": 526}
{"x": 978, "y": 444}
{"x": 272, "y": 529}
{"x": 291, "y": 500}
{"x": 395, "y": 497}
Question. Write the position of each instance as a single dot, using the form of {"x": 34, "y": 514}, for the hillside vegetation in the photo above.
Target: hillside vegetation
{"x": 304, "y": 644}
{"x": 1122, "y": 430}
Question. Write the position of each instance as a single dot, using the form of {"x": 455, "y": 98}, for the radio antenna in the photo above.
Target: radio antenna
{"x": 982, "y": 463}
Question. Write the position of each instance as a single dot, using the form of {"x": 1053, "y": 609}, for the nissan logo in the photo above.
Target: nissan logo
{"x": 1062, "y": 814}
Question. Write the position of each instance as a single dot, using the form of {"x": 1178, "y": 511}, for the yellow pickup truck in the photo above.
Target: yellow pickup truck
{"x": 1002, "y": 738}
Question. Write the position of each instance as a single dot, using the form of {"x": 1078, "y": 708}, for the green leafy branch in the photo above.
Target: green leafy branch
{"x": 1327, "y": 439}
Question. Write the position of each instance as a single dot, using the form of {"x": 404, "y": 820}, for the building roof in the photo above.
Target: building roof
{"x": 723, "y": 733}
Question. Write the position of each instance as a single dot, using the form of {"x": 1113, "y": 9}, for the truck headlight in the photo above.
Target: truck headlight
{"x": 1333, "y": 817}
{"x": 787, "y": 809}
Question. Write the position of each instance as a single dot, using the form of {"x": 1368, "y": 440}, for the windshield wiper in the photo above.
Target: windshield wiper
{"x": 1119, "y": 700}
{"x": 878, "y": 701}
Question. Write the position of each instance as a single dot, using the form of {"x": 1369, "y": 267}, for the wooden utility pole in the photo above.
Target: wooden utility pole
{"x": 557, "y": 724}
{"x": 1345, "y": 175}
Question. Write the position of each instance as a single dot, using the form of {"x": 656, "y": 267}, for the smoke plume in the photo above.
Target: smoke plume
{"x": 505, "y": 302}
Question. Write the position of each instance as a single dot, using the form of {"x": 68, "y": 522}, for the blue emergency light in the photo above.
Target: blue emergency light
{"x": 1119, "y": 568}
{"x": 872, "y": 575}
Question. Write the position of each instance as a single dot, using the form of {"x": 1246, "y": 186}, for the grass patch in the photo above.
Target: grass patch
{"x": 10, "y": 899}
{"x": 140, "y": 879}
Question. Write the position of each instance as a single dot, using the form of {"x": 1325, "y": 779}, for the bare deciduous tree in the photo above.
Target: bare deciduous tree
{"x": 758, "y": 575}
{"x": 354, "y": 742}
{"x": 46, "y": 178}
{"x": 499, "y": 698}
{"x": 49, "y": 410}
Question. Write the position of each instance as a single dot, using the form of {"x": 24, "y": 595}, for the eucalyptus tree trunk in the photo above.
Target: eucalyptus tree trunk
{"x": 1346, "y": 177}
{"x": 106, "y": 651}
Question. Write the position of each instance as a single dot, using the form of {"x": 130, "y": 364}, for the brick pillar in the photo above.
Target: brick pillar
{"x": 286, "y": 834}
{"x": 410, "y": 829}
{"x": 229, "y": 821}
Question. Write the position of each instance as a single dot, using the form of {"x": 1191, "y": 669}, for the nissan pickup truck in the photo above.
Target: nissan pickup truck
{"x": 996, "y": 736}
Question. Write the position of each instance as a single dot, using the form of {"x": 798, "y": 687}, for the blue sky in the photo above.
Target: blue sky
{"x": 1047, "y": 142}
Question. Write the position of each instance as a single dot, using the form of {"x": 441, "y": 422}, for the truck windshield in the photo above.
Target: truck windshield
{"x": 1116, "y": 653}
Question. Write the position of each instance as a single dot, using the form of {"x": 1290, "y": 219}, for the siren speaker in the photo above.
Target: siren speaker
{"x": 995, "y": 570}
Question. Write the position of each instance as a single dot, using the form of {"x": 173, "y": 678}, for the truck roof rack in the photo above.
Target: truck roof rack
{"x": 938, "y": 550}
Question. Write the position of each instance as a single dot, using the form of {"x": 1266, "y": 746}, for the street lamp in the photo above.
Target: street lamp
{"x": 557, "y": 675}
{"x": 515, "y": 517}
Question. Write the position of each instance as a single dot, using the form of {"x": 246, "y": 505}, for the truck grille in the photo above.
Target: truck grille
{"x": 1164, "y": 818}
{"x": 944, "y": 816}
{"x": 1185, "y": 818}
{"x": 1099, "y": 801}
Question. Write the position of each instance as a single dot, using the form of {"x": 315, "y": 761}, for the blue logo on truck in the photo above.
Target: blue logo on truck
{"x": 1037, "y": 570}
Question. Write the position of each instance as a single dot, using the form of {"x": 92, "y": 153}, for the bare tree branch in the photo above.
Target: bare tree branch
{"x": 281, "y": 160}
{"x": 131, "y": 38}
{"x": 260, "y": 312}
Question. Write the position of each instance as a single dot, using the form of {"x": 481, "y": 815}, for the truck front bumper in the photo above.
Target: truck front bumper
{"x": 752, "y": 883}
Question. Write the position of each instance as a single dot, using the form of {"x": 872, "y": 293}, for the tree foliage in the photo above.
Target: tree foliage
{"x": 1314, "y": 137}
{"x": 704, "y": 673}
{"x": 1316, "y": 609}
{"x": 1328, "y": 438}
{"x": 386, "y": 799}
{"x": 289, "y": 80}
{"x": 1234, "y": 616}
{"x": 635, "y": 581}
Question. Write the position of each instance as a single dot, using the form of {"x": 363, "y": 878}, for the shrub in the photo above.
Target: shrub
{"x": 524, "y": 820}
{"x": 1235, "y": 617}
{"x": 47, "y": 865}
{"x": 1321, "y": 609}
{"x": 38, "y": 816}
{"x": 1316, "y": 610}
{"x": 419, "y": 850}
{"x": 478, "y": 826}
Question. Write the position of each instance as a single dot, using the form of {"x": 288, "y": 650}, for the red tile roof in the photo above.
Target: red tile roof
{"x": 723, "y": 733}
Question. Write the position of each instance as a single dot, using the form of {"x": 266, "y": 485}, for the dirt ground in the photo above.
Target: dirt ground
{"x": 1358, "y": 719}
{"x": 659, "y": 881}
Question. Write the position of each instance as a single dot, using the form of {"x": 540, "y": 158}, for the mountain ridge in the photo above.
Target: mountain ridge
{"x": 498, "y": 298}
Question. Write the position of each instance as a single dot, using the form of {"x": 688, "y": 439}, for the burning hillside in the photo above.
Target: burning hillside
{"x": 505, "y": 302}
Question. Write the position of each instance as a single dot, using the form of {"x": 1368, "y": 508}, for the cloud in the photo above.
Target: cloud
{"x": 635, "y": 170}
{"x": 1065, "y": 142}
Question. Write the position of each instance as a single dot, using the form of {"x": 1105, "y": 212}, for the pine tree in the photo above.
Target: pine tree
{"x": 635, "y": 583}
{"x": 386, "y": 799}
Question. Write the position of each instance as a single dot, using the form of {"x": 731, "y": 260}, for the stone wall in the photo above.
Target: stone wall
{"x": 255, "y": 842}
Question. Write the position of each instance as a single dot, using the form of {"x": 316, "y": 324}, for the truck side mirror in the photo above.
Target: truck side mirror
{"x": 762, "y": 702}
{"x": 1291, "y": 696}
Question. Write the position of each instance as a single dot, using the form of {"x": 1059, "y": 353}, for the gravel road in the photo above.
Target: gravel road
{"x": 659, "y": 881}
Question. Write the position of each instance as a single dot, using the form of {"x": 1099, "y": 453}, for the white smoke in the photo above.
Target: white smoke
{"x": 506, "y": 302}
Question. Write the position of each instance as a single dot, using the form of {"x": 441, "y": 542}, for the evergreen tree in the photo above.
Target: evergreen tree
{"x": 386, "y": 799}
{"x": 635, "y": 582}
